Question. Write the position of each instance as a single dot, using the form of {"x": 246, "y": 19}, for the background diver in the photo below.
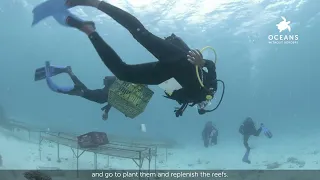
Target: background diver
{"x": 247, "y": 129}
{"x": 209, "y": 134}
{"x": 78, "y": 89}
{"x": 175, "y": 59}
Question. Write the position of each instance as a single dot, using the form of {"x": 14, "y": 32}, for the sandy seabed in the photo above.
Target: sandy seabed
{"x": 20, "y": 154}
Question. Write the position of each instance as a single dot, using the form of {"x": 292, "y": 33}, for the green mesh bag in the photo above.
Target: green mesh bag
{"x": 130, "y": 99}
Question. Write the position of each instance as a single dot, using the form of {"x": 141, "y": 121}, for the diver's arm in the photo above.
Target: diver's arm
{"x": 257, "y": 132}
{"x": 201, "y": 111}
{"x": 106, "y": 108}
{"x": 181, "y": 96}
{"x": 241, "y": 129}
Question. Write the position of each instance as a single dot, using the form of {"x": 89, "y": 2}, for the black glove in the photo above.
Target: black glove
{"x": 178, "y": 112}
{"x": 201, "y": 111}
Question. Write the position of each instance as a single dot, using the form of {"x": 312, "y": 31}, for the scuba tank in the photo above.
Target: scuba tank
{"x": 177, "y": 41}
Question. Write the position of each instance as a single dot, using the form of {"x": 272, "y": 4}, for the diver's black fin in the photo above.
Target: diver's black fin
{"x": 40, "y": 73}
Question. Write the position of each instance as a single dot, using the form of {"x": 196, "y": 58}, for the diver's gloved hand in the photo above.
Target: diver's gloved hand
{"x": 178, "y": 112}
{"x": 105, "y": 116}
{"x": 201, "y": 111}
{"x": 195, "y": 57}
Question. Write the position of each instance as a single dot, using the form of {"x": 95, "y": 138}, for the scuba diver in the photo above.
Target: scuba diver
{"x": 78, "y": 89}
{"x": 209, "y": 134}
{"x": 175, "y": 59}
{"x": 248, "y": 129}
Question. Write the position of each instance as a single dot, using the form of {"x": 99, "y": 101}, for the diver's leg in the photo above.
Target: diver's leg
{"x": 206, "y": 142}
{"x": 246, "y": 155}
{"x": 161, "y": 49}
{"x": 148, "y": 73}
{"x": 76, "y": 80}
{"x": 73, "y": 3}
{"x": 245, "y": 142}
{"x": 79, "y": 88}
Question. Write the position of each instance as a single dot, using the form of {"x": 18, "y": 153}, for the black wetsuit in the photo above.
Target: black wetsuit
{"x": 172, "y": 60}
{"x": 248, "y": 129}
{"x": 98, "y": 95}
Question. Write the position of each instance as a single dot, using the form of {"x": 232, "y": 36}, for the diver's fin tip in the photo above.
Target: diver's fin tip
{"x": 246, "y": 160}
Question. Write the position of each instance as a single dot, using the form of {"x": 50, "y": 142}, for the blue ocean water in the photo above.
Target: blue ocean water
{"x": 274, "y": 82}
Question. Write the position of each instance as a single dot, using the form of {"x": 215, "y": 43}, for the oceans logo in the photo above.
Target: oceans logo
{"x": 284, "y": 36}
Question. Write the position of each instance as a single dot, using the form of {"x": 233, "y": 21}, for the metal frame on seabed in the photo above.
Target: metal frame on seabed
{"x": 141, "y": 151}
{"x": 147, "y": 152}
